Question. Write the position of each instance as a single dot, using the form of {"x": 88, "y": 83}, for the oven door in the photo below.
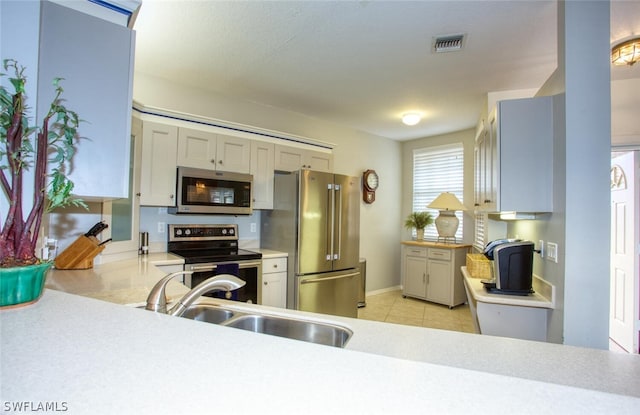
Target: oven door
{"x": 249, "y": 271}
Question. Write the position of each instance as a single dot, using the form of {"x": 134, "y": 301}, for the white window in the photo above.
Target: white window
{"x": 435, "y": 170}
{"x": 480, "y": 239}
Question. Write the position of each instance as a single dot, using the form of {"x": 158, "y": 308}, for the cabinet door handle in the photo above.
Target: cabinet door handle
{"x": 220, "y": 161}
{"x": 424, "y": 276}
{"x": 266, "y": 283}
{"x": 213, "y": 161}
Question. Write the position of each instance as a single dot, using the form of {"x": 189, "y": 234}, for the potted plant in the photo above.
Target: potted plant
{"x": 46, "y": 149}
{"x": 419, "y": 220}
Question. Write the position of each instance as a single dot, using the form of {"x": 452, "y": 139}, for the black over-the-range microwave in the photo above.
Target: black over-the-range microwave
{"x": 203, "y": 191}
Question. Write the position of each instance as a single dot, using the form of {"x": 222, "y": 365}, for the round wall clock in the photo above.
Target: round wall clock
{"x": 370, "y": 182}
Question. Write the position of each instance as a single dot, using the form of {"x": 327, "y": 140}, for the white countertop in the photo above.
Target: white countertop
{"x": 123, "y": 282}
{"x": 106, "y": 358}
{"x": 543, "y": 297}
{"x": 96, "y": 357}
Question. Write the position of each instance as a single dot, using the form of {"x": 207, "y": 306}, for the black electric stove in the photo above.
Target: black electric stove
{"x": 207, "y": 244}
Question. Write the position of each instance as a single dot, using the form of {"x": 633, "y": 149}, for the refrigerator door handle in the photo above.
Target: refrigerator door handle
{"x": 337, "y": 277}
{"x": 330, "y": 210}
{"x": 338, "y": 229}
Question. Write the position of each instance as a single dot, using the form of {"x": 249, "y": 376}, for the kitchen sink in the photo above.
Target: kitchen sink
{"x": 208, "y": 314}
{"x": 291, "y": 328}
{"x": 309, "y": 331}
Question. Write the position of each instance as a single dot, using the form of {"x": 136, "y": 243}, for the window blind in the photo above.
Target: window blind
{"x": 480, "y": 239}
{"x": 435, "y": 170}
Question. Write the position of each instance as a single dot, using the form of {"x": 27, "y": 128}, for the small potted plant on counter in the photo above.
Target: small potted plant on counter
{"x": 419, "y": 220}
{"x": 46, "y": 150}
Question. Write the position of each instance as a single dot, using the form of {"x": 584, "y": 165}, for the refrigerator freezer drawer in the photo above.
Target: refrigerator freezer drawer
{"x": 333, "y": 293}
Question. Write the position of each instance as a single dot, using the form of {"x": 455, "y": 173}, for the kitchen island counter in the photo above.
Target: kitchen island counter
{"x": 128, "y": 282}
{"x": 95, "y": 357}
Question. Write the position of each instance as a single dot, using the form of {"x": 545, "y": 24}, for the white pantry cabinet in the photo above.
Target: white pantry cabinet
{"x": 206, "y": 150}
{"x": 158, "y": 164}
{"x": 95, "y": 58}
{"x": 431, "y": 271}
{"x": 294, "y": 158}
{"x": 274, "y": 282}
{"x": 514, "y": 157}
{"x": 262, "y": 170}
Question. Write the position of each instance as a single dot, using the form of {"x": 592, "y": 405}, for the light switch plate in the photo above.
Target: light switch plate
{"x": 552, "y": 252}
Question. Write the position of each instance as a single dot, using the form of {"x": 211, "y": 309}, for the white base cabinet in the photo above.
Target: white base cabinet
{"x": 274, "y": 282}
{"x": 431, "y": 271}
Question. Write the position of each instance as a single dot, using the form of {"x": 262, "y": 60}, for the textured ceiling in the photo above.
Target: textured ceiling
{"x": 360, "y": 64}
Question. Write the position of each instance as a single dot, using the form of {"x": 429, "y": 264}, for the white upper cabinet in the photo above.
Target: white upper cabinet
{"x": 262, "y": 162}
{"x": 234, "y": 154}
{"x": 294, "y": 158}
{"x": 95, "y": 58}
{"x": 514, "y": 158}
{"x": 158, "y": 164}
{"x": 206, "y": 150}
{"x": 196, "y": 149}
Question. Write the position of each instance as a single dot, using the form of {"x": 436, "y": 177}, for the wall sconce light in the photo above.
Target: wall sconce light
{"x": 411, "y": 118}
{"x": 626, "y": 53}
{"x": 447, "y": 222}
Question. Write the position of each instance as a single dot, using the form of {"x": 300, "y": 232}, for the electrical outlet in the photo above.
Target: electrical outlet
{"x": 161, "y": 227}
{"x": 253, "y": 227}
{"x": 552, "y": 252}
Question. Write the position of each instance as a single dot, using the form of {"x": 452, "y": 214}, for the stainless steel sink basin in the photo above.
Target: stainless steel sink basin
{"x": 208, "y": 313}
{"x": 309, "y": 331}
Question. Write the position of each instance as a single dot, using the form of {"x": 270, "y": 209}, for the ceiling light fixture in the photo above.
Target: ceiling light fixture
{"x": 411, "y": 118}
{"x": 626, "y": 53}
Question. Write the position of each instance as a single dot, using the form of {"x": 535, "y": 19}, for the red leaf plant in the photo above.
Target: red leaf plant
{"x": 48, "y": 149}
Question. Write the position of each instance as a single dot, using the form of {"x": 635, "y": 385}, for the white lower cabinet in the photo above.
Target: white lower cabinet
{"x": 432, "y": 272}
{"x": 274, "y": 282}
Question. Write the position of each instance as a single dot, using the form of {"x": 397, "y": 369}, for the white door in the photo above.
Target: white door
{"x": 624, "y": 252}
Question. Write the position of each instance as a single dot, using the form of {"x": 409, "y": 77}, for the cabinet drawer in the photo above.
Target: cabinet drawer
{"x": 443, "y": 254}
{"x": 415, "y": 251}
{"x": 272, "y": 265}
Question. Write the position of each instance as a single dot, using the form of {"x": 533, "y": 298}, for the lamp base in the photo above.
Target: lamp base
{"x": 447, "y": 225}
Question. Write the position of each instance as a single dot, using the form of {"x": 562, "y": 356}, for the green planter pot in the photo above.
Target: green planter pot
{"x": 22, "y": 285}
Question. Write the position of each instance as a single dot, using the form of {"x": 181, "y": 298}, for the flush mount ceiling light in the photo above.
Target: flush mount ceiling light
{"x": 626, "y": 53}
{"x": 411, "y": 118}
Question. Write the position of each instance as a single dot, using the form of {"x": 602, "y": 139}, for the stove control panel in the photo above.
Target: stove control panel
{"x": 202, "y": 232}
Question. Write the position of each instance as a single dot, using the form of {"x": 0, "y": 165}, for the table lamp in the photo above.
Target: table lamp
{"x": 447, "y": 222}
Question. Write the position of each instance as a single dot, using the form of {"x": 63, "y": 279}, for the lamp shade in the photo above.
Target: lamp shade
{"x": 446, "y": 201}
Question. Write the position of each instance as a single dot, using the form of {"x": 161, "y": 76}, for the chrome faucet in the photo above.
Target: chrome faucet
{"x": 157, "y": 300}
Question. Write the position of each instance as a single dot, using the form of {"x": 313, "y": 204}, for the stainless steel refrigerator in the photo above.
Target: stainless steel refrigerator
{"x": 316, "y": 220}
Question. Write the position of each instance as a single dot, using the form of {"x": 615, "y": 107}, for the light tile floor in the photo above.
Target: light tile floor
{"x": 391, "y": 307}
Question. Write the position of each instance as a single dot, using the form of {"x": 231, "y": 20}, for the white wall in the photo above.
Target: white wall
{"x": 467, "y": 138}
{"x": 354, "y": 152}
{"x": 580, "y": 222}
{"x": 625, "y": 106}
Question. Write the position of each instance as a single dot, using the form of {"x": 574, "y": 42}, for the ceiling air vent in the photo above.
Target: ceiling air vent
{"x": 449, "y": 43}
